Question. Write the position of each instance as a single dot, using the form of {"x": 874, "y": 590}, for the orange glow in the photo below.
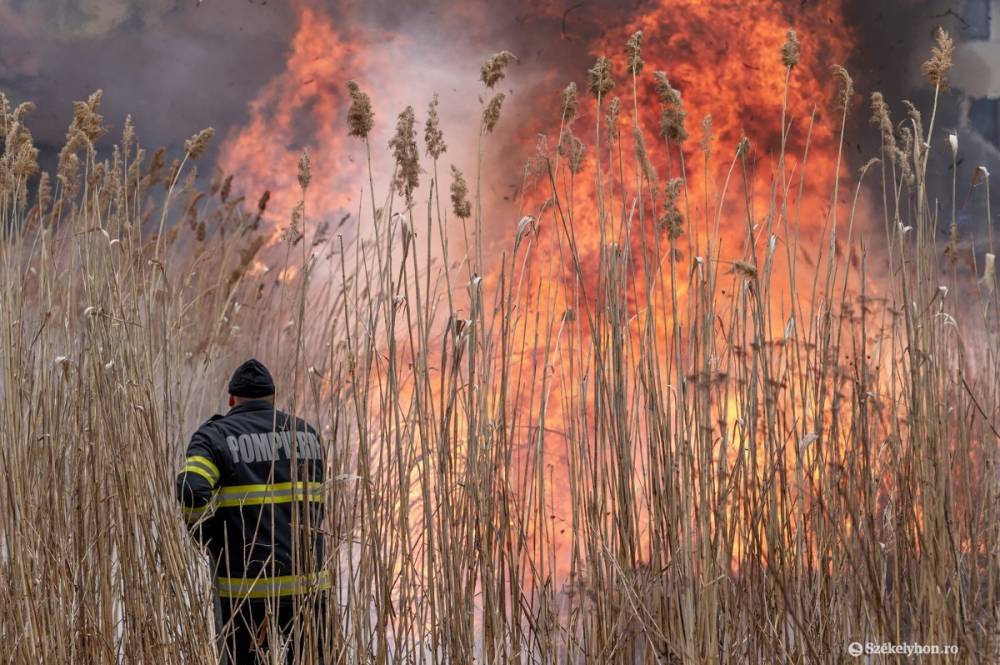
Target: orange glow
{"x": 724, "y": 57}
{"x": 302, "y": 108}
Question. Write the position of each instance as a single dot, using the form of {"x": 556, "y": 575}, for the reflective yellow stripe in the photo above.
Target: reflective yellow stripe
{"x": 257, "y": 495}
{"x": 196, "y": 462}
{"x": 270, "y": 587}
{"x": 193, "y": 515}
{"x": 191, "y": 468}
{"x": 238, "y": 489}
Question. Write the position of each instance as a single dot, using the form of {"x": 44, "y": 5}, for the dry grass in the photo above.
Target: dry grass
{"x": 720, "y": 459}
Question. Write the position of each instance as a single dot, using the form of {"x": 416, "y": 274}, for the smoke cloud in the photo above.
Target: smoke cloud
{"x": 179, "y": 65}
{"x": 175, "y": 66}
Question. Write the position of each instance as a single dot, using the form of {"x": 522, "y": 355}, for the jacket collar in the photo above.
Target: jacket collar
{"x": 251, "y": 405}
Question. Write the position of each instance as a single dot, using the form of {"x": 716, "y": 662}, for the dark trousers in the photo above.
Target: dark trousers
{"x": 250, "y": 631}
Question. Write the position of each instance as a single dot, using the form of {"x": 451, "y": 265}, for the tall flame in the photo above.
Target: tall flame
{"x": 300, "y": 109}
{"x": 723, "y": 56}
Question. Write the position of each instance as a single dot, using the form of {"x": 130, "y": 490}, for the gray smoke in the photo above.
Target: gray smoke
{"x": 175, "y": 66}
{"x": 179, "y": 65}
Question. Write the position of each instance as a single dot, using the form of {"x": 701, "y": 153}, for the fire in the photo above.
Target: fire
{"x": 300, "y": 109}
{"x": 724, "y": 58}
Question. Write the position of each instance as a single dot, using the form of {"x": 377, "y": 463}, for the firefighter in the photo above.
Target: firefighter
{"x": 251, "y": 491}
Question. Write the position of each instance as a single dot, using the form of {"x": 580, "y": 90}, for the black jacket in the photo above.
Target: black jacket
{"x": 238, "y": 494}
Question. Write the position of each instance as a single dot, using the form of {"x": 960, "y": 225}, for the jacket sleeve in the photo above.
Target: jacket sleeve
{"x": 199, "y": 480}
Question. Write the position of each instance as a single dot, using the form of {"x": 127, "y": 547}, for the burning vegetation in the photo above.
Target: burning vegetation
{"x": 709, "y": 397}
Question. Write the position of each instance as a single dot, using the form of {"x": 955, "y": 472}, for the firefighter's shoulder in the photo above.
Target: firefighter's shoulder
{"x": 210, "y": 433}
{"x": 207, "y": 423}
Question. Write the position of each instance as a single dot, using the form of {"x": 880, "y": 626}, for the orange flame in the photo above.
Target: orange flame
{"x": 724, "y": 57}
{"x": 299, "y": 109}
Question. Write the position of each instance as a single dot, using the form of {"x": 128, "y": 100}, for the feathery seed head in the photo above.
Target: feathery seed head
{"x": 918, "y": 126}
{"x": 673, "y": 114}
{"x": 404, "y": 150}
{"x": 599, "y": 77}
{"x": 495, "y": 69}
{"x": 128, "y": 136}
{"x": 867, "y": 165}
{"x": 846, "y": 90}
{"x": 433, "y": 136}
{"x": 86, "y": 119}
{"x": 154, "y": 172}
{"x": 743, "y": 147}
{"x": 195, "y": 146}
{"x": 904, "y": 155}
{"x": 573, "y": 149}
{"x": 491, "y": 114}
{"x": 305, "y": 171}
{"x": 614, "y": 110}
{"x": 665, "y": 92}
{"x": 790, "y": 50}
{"x": 263, "y": 201}
{"x": 570, "y": 102}
{"x": 292, "y": 233}
{"x": 18, "y": 140}
{"x": 880, "y": 117}
{"x": 68, "y": 169}
{"x": 632, "y": 48}
{"x": 21, "y": 112}
{"x": 706, "y": 134}
{"x": 360, "y": 117}
{"x": 642, "y": 156}
{"x": 671, "y": 220}
{"x": 4, "y": 114}
{"x": 745, "y": 268}
{"x": 538, "y": 163}
{"x": 459, "y": 194}
{"x": 25, "y": 162}
{"x": 44, "y": 193}
{"x": 96, "y": 176}
{"x": 937, "y": 67}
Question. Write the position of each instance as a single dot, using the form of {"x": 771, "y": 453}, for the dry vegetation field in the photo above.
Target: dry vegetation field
{"x": 677, "y": 441}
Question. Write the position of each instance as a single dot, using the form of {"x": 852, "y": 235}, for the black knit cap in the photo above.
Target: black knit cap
{"x": 251, "y": 379}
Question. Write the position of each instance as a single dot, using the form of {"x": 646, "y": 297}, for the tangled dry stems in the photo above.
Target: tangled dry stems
{"x": 527, "y": 473}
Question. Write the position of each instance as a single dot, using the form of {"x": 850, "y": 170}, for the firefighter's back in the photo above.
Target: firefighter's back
{"x": 267, "y": 492}
{"x": 252, "y": 491}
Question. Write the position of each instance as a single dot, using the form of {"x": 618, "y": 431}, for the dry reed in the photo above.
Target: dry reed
{"x": 523, "y": 469}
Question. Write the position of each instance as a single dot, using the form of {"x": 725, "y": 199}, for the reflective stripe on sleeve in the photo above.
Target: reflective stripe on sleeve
{"x": 235, "y": 496}
{"x": 195, "y": 515}
{"x": 270, "y": 587}
{"x": 203, "y": 467}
